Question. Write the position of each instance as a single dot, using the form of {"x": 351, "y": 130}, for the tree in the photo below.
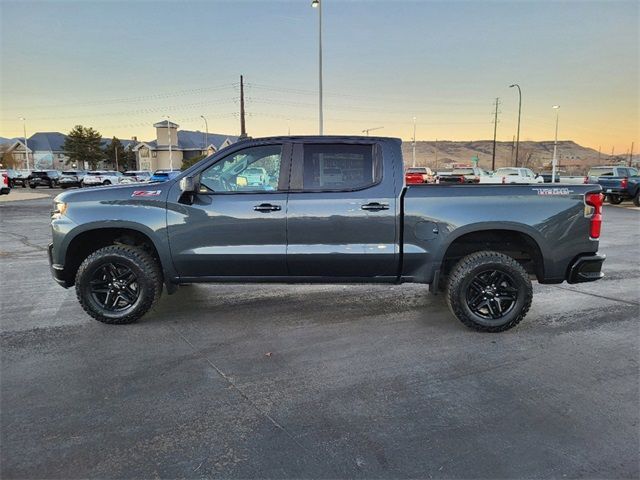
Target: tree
{"x": 188, "y": 162}
{"x": 129, "y": 158}
{"x": 115, "y": 154}
{"x": 83, "y": 145}
{"x": 6, "y": 157}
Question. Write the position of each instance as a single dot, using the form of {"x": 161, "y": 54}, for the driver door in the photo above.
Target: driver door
{"x": 236, "y": 224}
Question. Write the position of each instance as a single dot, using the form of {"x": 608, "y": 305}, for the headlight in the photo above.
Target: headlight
{"x": 59, "y": 208}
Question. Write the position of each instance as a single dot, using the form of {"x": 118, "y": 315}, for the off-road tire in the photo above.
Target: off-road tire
{"x": 461, "y": 276}
{"x": 615, "y": 199}
{"x": 144, "y": 266}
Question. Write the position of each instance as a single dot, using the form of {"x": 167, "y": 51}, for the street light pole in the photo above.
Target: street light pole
{"x": 519, "y": 112}
{"x": 206, "y": 134}
{"x": 26, "y": 146}
{"x": 414, "y": 142}
{"x": 554, "y": 162}
{"x": 169, "y": 135}
{"x": 318, "y": 4}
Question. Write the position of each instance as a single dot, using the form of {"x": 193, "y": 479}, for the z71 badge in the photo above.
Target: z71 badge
{"x": 146, "y": 193}
{"x": 554, "y": 191}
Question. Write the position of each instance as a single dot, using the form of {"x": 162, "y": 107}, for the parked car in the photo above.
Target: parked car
{"x": 164, "y": 175}
{"x": 17, "y": 177}
{"x": 462, "y": 175}
{"x": 618, "y": 183}
{"x": 512, "y": 175}
{"x": 72, "y": 178}
{"x": 44, "y": 178}
{"x": 199, "y": 228}
{"x": 415, "y": 175}
{"x": 256, "y": 176}
{"x": 5, "y": 184}
{"x": 101, "y": 177}
{"x": 136, "y": 176}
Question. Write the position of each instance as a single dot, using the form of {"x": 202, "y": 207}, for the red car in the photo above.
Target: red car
{"x": 415, "y": 175}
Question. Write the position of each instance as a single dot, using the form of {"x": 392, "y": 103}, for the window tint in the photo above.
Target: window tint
{"x": 255, "y": 169}
{"x": 632, "y": 172}
{"x": 598, "y": 172}
{"x": 623, "y": 172}
{"x": 339, "y": 167}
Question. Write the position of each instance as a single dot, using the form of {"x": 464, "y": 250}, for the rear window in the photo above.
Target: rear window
{"x": 339, "y": 167}
{"x": 599, "y": 172}
{"x": 416, "y": 170}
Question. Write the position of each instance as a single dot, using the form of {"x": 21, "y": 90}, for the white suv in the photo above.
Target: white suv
{"x": 102, "y": 177}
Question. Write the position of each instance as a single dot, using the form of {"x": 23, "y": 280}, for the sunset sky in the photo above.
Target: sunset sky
{"x": 121, "y": 66}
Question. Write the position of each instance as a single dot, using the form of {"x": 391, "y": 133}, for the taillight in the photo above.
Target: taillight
{"x": 504, "y": 180}
{"x": 594, "y": 200}
{"x": 5, "y": 179}
{"x": 624, "y": 183}
{"x": 461, "y": 179}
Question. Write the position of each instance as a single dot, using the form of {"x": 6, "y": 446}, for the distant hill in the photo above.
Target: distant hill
{"x": 572, "y": 157}
{"x": 7, "y": 140}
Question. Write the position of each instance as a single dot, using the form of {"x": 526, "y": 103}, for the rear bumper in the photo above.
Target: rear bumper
{"x": 57, "y": 271}
{"x": 586, "y": 269}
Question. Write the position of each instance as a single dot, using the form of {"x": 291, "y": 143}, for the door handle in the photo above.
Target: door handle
{"x": 375, "y": 206}
{"x": 267, "y": 207}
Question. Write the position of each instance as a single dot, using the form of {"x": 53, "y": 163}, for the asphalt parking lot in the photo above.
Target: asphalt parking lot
{"x": 302, "y": 381}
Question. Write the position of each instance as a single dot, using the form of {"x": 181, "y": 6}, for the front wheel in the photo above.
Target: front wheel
{"x": 615, "y": 199}
{"x": 106, "y": 182}
{"x": 118, "y": 284}
{"x": 489, "y": 291}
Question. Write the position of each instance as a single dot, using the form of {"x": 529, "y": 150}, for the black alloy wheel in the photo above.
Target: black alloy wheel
{"x": 492, "y": 294}
{"x": 114, "y": 287}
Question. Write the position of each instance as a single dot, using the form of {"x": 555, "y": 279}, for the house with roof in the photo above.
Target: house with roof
{"x": 46, "y": 151}
{"x": 172, "y": 146}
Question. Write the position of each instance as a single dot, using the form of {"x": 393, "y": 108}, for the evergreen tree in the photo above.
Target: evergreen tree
{"x": 83, "y": 145}
{"x": 115, "y": 155}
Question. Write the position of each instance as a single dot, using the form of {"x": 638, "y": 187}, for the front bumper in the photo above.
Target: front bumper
{"x": 586, "y": 269}
{"x": 57, "y": 271}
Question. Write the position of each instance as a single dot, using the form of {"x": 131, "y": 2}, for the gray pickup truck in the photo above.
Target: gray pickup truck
{"x": 329, "y": 209}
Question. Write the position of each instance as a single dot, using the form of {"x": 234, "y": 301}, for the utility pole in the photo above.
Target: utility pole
{"x": 554, "y": 162}
{"x": 519, "y": 112}
{"x": 631, "y": 154}
{"x": 414, "y": 142}
{"x": 436, "y": 152}
{"x": 318, "y": 4}
{"x": 495, "y": 131}
{"x": 513, "y": 144}
{"x": 243, "y": 129}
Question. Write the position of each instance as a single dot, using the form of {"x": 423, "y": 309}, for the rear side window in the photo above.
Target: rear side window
{"x": 339, "y": 167}
{"x": 600, "y": 172}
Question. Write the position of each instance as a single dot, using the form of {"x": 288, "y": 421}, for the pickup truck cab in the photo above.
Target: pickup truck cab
{"x": 618, "y": 183}
{"x": 482, "y": 244}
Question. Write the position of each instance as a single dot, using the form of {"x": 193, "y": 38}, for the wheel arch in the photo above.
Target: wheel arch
{"x": 83, "y": 241}
{"x": 519, "y": 241}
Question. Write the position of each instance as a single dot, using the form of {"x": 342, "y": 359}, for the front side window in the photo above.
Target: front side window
{"x": 254, "y": 169}
{"x": 339, "y": 167}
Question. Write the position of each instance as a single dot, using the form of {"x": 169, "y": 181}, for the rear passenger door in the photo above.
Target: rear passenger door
{"x": 341, "y": 216}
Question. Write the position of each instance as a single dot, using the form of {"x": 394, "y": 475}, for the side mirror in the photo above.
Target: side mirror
{"x": 188, "y": 185}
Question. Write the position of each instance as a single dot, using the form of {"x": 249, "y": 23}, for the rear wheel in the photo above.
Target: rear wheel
{"x": 106, "y": 182}
{"x": 615, "y": 199}
{"x": 636, "y": 199}
{"x": 489, "y": 291}
{"x": 118, "y": 284}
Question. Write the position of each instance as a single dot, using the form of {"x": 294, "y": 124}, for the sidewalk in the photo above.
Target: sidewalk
{"x": 17, "y": 195}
